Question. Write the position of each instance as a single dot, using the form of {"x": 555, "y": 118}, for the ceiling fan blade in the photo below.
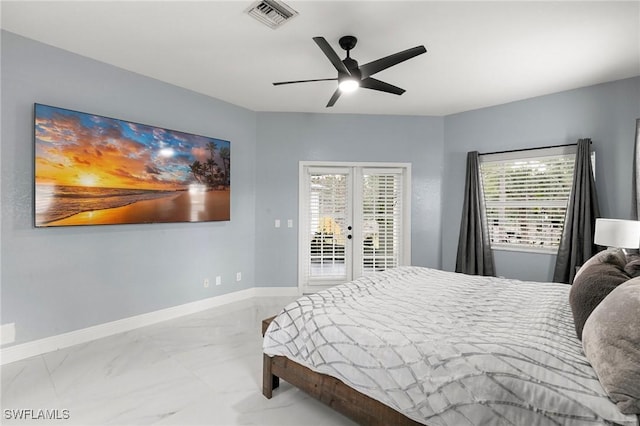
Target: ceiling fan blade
{"x": 334, "y": 98}
{"x": 331, "y": 54}
{"x": 302, "y": 81}
{"x": 372, "y": 83}
{"x": 388, "y": 61}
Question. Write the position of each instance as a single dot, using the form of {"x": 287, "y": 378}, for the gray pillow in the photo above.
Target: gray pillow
{"x": 632, "y": 268}
{"x": 613, "y": 255}
{"x": 594, "y": 281}
{"x": 611, "y": 341}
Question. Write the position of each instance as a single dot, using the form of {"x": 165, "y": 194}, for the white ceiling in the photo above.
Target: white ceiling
{"x": 479, "y": 53}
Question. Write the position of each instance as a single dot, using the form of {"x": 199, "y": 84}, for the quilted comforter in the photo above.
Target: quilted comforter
{"x": 449, "y": 349}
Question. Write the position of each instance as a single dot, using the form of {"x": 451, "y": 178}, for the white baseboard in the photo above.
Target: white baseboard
{"x": 53, "y": 343}
{"x": 275, "y": 291}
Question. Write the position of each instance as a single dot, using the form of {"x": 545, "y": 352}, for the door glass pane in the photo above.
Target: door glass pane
{"x": 328, "y": 225}
{"x": 381, "y": 214}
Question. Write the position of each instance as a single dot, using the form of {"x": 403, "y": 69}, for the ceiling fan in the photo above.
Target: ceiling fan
{"x": 351, "y": 76}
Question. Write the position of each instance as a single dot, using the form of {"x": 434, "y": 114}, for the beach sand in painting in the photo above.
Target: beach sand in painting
{"x": 183, "y": 207}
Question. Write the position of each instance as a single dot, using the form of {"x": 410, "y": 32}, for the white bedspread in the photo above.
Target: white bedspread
{"x": 450, "y": 349}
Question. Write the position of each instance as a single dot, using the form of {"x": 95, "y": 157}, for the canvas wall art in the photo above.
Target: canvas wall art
{"x": 95, "y": 170}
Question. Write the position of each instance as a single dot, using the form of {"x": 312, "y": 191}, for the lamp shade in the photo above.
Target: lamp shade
{"x": 617, "y": 233}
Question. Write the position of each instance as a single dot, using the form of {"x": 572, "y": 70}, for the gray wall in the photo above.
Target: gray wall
{"x": 287, "y": 138}
{"x": 606, "y": 113}
{"x": 55, "y": 280}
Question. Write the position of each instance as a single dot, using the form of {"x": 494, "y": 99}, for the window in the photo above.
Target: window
{"x": 526, "y": 195}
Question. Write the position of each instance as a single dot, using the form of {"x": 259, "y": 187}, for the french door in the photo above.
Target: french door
{"x": 354, "y": 220}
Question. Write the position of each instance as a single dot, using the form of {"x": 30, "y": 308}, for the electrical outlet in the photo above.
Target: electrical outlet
{"x": 206, "y": 283}
{"x": 218, "y": 280}
{"x": 238, "y": 276}
{"x": 7, "y": 333}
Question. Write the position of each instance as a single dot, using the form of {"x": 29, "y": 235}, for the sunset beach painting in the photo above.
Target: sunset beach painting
{"x": 94, "y": 170}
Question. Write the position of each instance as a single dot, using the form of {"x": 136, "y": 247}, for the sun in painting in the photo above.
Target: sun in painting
{"x": 87, "y": 179}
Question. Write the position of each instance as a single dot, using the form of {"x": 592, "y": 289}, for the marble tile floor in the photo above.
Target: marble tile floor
{"x": 204, "y": 368}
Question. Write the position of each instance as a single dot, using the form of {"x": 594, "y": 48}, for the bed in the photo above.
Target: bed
{"x": 414, "y": 345}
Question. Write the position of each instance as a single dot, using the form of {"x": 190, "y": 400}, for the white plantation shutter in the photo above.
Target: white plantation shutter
{"x": 328, "y": 220}
{"x": 381, "y": 221}
{"x": 526, "y": 195}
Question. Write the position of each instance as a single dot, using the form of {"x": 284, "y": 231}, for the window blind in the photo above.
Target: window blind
{"x": 526, "y": 196}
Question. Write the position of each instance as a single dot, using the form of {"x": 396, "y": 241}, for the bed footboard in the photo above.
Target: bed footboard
{"x": 331, "y": 391}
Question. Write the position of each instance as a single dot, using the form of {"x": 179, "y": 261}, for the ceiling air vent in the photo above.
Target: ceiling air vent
{"x": 272, "y": 13}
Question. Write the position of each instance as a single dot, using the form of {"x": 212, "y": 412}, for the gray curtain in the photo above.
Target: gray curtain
{"x": 576, "y": 244}
{"x": 474, "y": 247}
{"x": 636, "y": 174}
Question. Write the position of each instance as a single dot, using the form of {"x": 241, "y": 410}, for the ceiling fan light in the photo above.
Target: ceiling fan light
{"x": 348, "y": 85}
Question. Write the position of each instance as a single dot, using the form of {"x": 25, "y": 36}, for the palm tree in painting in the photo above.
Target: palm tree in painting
{"x": 209, "y": 172}
{"x": 197, "y": 170}
{"x": 225, "y": 154}
{"x": 212, "y": 147}
{"x": 211, "y": 167}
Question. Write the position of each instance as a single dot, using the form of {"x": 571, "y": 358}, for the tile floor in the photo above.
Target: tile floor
{"x": 205, "y": 368}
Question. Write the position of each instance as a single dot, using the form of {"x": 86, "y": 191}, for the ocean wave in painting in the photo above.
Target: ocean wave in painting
{"x": 55, "y": 202}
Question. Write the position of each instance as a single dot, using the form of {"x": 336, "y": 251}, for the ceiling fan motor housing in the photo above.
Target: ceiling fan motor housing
{"x": 352, "y": 67}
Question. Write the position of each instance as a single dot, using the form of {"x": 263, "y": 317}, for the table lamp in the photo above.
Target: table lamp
{"x": 617, "y": 233}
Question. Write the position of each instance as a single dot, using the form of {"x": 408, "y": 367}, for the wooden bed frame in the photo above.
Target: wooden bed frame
{"x": 329, "y": 390}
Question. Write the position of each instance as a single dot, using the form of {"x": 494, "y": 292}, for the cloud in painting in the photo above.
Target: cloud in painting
{"x": 118, "y": 154}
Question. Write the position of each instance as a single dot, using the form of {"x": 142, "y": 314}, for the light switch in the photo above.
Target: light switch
{"x": 290, "y": 223}
{"x": 277, "y": 223}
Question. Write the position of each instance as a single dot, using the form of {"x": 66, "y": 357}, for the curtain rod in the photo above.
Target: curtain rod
{"x": 529, "y": 149}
